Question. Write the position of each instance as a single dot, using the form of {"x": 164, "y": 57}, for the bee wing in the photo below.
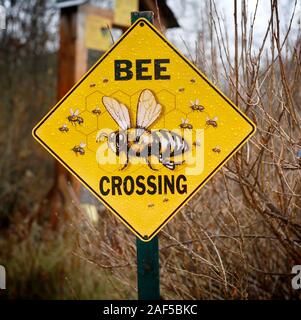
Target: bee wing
{"x": 215, "y": 119}
{"x": 76, "y": 112}
{"x": 196, "y": 101}
{"x": 71, "y": 111}
{"x": 118, "y": 111}
{"x": 191, "y": 103}
{"x": 148, "y": 109}
{"x": 82, "y": 144}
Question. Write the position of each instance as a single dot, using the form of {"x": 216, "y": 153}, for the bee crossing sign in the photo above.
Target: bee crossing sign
{"x": 144, "y": 130}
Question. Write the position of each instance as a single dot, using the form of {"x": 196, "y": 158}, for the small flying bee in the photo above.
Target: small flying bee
{"x": 165, "y": 200}
{"x": 181, "y": 89}
{"x": 74, "y": 118}
{"x": 105, "y": 80}
{"x": 64, "y": 128}
{"x": 96, "y": 111}
{"x": 150, "y": 205}
{"x": 139, "y": 141}
{"x": 212, "y": 122}
{"x": 92, "y": 85}
{"x": 79, "y": 149}
{"x": 216, "y": 149}
{"x": 194, "y": 105}
{"x": 196, "y": 143}
{"x": 192, "y": 80}
{"x": 185, "y": 125}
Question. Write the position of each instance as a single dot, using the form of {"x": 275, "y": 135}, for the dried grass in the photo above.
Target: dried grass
{"x": 241, "y": 234}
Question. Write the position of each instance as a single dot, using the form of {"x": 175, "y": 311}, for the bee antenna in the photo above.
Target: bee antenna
{"x": 101, "y": 135}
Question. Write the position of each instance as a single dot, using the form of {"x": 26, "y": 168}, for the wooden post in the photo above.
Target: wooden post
{"x": 72, "y": 64}
{"x": 73, "y": 59}
{"x": 147, "y": 252}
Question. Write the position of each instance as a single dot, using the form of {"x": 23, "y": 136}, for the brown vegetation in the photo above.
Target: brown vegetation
{"x": 237, "y": 239}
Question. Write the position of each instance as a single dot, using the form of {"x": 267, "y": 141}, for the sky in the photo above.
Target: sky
{"x": 188, "y": 14}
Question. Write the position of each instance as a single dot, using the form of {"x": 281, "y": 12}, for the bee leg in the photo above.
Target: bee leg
{"x": 171, "y": 165}
{"x": 179, "y": 163}
{"x": 125, "y": 165}
{"x": 149, "y": 164}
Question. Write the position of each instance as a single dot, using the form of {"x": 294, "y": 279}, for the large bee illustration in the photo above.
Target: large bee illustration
{"x": 79, "y": 149}
{"x": 74, "y": 118}
{"x": 139, "y": 141}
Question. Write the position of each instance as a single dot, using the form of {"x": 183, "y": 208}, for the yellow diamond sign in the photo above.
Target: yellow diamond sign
{"x": 144, "y": 130}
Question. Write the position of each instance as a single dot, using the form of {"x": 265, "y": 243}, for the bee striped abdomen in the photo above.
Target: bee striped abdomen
{"x": 168, "y": 143}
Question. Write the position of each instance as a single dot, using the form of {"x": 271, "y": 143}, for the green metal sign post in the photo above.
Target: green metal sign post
{"x": 148, "y": 269}
{"x": 147, "y": 252}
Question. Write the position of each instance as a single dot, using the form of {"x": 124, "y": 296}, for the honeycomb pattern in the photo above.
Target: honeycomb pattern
{"x": 144, "y": 214}
{"x": 171, "y": 118}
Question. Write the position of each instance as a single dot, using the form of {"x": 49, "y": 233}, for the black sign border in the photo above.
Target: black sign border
{"x": 143, "y": 23}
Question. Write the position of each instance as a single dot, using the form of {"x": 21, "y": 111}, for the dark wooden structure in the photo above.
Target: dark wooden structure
{"x": 73, "y": 63}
